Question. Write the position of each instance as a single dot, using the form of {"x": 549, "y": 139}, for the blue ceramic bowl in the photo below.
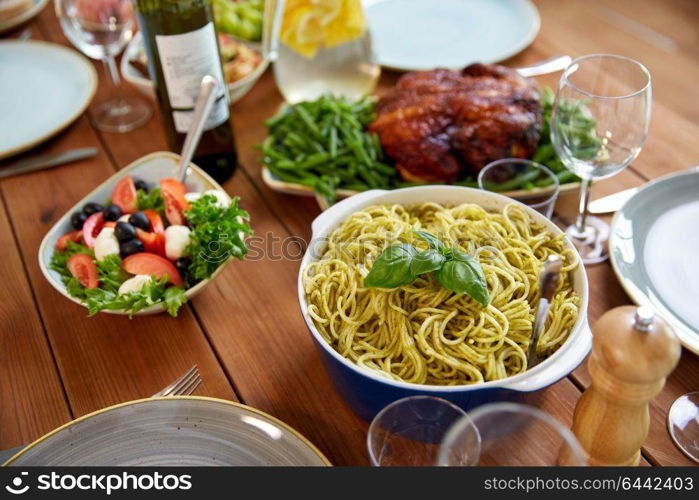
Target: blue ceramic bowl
{"x": 367, "y": 391}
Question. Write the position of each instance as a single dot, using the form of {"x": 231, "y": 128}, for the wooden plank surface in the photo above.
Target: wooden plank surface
{"x": 33, "y": 402}
{"x": 106, "y": 359}
{"x": 245, "y": 331}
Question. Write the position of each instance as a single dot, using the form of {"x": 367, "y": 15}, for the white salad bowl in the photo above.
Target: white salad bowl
{"x": 367, "y": 391}
{"x": 150, "y": 168}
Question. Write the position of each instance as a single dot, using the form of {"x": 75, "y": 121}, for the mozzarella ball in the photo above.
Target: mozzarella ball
{"x": 192, "y": 197}
{"x": 134, "y": 284}
{"x": 222, "y": 198}
{"x": 176, "y": 240}
{"x": 124, "y": 218}
{"x": 106, "y": 243}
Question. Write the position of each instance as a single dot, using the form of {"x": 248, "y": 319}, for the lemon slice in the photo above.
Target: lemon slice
{"x": 308, "y": 25}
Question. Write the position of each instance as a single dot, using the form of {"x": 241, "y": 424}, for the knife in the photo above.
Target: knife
{"x": 41, "y": 162}
{"x": 611, "y": 203}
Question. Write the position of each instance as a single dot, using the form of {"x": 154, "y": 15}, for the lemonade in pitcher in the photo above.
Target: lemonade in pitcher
{"x": 324, "y": 46}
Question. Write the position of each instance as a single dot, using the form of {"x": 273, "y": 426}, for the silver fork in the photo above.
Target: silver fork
{"x": 183, "y": 386}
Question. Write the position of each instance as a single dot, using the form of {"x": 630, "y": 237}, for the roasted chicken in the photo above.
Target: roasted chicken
{"x": 440, "y": 124}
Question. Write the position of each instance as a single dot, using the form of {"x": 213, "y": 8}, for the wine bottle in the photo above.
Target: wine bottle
{"x": 181, "y": 46}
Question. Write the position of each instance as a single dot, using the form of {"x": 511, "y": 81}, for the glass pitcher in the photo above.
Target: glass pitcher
{"x": 320, "y": 46}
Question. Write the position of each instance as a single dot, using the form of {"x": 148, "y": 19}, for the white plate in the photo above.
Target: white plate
{"x": 24, "y": 16}
{"x": 653, "y": 249}
{"x": 174, "y": 431}
{"x": 43, "y": 88}
{"x": 276, "y": 184}
{"x": 415, "y": 35}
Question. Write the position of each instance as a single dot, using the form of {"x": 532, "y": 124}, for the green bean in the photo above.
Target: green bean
{"x": 325, "y": 144}
{"x": 517, "y": 182}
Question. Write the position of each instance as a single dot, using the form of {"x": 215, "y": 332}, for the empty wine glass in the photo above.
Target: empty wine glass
{"x": 101, "y": 29}
{"x": 408, "y": 432}
{"x": 683, "y": 424}
{"x": 510, "y": 434}
{"x": 599, "y": 123}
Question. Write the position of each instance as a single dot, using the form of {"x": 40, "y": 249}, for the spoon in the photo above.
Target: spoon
{"x": 552, "y": 65}
{"x": 548, "y": 281}
{"x": 202, "y": 109}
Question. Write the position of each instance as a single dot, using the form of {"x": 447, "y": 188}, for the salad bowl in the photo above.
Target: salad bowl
{"x": 150, "y": 168}
{"x": 368, "y": 391}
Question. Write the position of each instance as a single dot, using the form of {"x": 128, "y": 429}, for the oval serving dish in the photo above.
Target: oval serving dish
{"x": 150, "y": 168}
{"x": 367, "y": 391}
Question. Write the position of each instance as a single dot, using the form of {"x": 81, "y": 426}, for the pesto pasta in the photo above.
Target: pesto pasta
{"x": 422, "y": 333}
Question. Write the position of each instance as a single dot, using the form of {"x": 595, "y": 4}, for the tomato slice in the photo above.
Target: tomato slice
{"x": 84, "y": 269}
{"x": 152, "y": 242}
{"x": 124, "y": 195}
{"x": 74, "y": 236}
{"x": 173, "y": 193}
{"x": 92, "y": 227}
{"x": 156, "y": 222}
{"x": 152, "y": 265}
{"x": 109, "y": 223}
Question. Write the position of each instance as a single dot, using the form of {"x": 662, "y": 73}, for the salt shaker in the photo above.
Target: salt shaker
{"x": 633, "y": 352}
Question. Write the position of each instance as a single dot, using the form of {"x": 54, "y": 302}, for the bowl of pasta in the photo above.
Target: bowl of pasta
{"x": 432, "y": 290}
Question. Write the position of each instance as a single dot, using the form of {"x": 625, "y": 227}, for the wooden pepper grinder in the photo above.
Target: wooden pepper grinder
{"x": 632, "y": 354}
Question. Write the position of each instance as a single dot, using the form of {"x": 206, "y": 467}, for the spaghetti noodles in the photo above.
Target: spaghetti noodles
{"x": 422, "y": 333}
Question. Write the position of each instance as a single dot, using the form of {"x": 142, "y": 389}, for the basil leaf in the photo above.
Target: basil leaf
{"x": 463, "y": 274}
{"x": 426, "y": 262}
{"x": 392, "y": 268}
{"x": 431, "y": 239}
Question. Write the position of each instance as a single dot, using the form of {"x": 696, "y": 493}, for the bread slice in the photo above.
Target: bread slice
{"x": 12, "y": 8}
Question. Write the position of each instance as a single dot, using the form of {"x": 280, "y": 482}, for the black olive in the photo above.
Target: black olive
{"x": 182, "y": 264}
{"x": 78, "y": 219}
{"x": 140, "y": 220}
{"x": 140, "y": 184}
{"x": 124, "y": 231}
{"x": 92, "y": 208}
{"x": 112, "y": 213}
{"x": 127, "y": 248}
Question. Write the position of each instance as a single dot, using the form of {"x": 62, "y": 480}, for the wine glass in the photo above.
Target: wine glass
{"x": 526, "y": 181}
{"x": 510, "y": 434}
{"x": 408, "y": 431}
{"x": 101, "y": 29}
{"x": 683, "y": 424}
{"x": 599, "y": 123}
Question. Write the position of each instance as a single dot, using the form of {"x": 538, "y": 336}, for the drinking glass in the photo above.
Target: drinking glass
{"x": 683, "y": 424}
{"x": 599, "y": 123}
{"x": 100, "y": 29}
{"x": 524, "y": 180}
{"x": 510, "y": 434}
{"x": 408, "y": 431}
{"x": 323, "y": 47}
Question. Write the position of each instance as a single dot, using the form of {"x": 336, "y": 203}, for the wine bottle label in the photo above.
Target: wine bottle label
{"x": 186, "y": 58}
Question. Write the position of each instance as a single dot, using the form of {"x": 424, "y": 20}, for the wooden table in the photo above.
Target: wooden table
{"x": 245, "y": 331}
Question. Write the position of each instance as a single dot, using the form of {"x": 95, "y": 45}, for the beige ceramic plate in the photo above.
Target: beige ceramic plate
{"x": 150, "y": 168}
{"x": 175, "y": 431}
